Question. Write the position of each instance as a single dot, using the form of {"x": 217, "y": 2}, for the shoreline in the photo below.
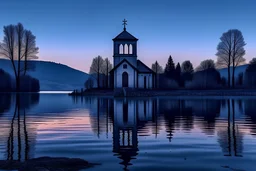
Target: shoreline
{"x": 166, "y": 93}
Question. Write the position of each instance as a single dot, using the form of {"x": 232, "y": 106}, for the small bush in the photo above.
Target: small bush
{"x": 167, "y": 83}
{"x": 206, "y": 79}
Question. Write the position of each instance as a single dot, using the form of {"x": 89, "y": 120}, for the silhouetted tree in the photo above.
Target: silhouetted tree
{"x": 106, "y": 68}
{"x": 18, "y": 45}
{"x": 187, "y": 71}
{"x": 231, "y": 51}
{"x": 206, "y": 64}
{"x": 97, "y": 68}
{"x": 187, "y": 66}
{"x": 170, "y": 68}
{"x": 250, "y": 73}
{"x": 30, "y": 50}
{"x": 237, "y": 52}
{"x": 178, "y": 73}
{"x": 158, "y": 70}
{"x": 224, "y": 52}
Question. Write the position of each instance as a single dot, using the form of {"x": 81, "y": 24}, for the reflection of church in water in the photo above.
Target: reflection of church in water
{"x": 127, "y": 115}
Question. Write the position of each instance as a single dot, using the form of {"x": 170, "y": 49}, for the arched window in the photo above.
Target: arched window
{"x": 130, "y": 49}
{"x": 121, "y": 49}
{"x": 125, "y": 79}
{"x": 125, "y": 49}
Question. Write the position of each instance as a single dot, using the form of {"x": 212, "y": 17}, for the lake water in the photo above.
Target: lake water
{"x": 193, "y": 134}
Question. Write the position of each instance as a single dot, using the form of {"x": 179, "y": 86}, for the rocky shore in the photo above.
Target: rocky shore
{"x": 46, "y": 164}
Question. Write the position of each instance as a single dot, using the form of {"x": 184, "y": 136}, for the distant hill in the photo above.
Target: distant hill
{"x": 52, "y": 76}
{"x": 238, "y": 70}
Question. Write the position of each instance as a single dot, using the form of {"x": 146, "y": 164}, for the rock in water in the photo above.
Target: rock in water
{"x": 46, "y": 164}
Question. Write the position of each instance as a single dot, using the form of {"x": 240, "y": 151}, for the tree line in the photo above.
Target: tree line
{"x": 19, "y": 46}
{"x": 99, "y": 73}
{"x": 230, "y": 54}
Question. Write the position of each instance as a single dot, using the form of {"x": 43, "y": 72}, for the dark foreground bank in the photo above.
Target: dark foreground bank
{"x": 125, "y": 92}
{"x": 46, "y": 164}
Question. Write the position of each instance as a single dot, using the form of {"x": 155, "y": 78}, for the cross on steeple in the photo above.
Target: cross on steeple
{"x": 124, "y": 23}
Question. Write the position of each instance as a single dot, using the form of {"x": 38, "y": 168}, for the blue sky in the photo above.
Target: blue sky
{"x": 72, "y": 32}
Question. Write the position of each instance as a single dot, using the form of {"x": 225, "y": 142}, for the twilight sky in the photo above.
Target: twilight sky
{"x": 72, "y": 32}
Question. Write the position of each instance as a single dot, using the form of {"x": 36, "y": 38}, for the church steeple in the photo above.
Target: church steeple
{"x": 125, "y": 47}
{"x": 124, "y": 23}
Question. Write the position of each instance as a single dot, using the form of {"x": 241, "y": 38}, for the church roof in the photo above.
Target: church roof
{"x": 125, "y": 35}
{"x": 124, "y": 60}
{"x": 141, "y": 67}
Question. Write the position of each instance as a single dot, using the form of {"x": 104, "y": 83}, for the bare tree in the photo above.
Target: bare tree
{"x": 230, "y": 51}
{"x": 158, "y": 70}
{"x": 20, "y": 33}
{"x": 106, "y": 69}
{"x": 224, "y": 53}
{"x": 7, "y": 47}
{"x": 206, "y": 64}
{"x": 238, "y": 52}
{"x": 16, "y": 48}
{"x": 30, "y": 50}
{"x": 97, "y": 68}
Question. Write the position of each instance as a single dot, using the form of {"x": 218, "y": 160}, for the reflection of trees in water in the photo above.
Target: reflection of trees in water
{"x": 177, "y": 114}
{"x": 19, "y": 127}
{"x": 208, "y": 110}
{"x": 230, "y": 138}
{"x": 100, "y": 115}
{"x": 170, "y": 109}
{"x": 144, "y": 115}
{"x": 155, "y": 117}
{"x": 187, "y": 116}
{"x": 249, "y": 110}
{"x": 240, "y": 106}
{"x": 80, "y": 99}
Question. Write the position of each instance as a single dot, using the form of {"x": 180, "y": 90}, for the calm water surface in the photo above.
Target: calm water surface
{"x": 153, "y": 134}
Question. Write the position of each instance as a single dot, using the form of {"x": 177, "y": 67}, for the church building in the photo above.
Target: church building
{"x": 128, "y": 71}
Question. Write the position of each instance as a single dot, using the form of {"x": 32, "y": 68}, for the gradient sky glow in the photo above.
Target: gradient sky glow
{"x": 72, "y": 32}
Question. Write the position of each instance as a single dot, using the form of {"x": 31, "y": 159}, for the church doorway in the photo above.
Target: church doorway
{"x": 145, "y": 82}
{"x": 125, "y": 79}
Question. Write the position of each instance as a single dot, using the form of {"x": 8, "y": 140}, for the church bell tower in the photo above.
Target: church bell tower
{"x": 125, "y": 47}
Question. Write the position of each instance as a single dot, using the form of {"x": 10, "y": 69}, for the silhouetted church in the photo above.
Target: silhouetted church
{"x": 128, "y": 71}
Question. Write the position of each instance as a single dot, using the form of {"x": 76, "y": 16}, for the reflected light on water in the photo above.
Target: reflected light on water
{"x": 132, "y": 134}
